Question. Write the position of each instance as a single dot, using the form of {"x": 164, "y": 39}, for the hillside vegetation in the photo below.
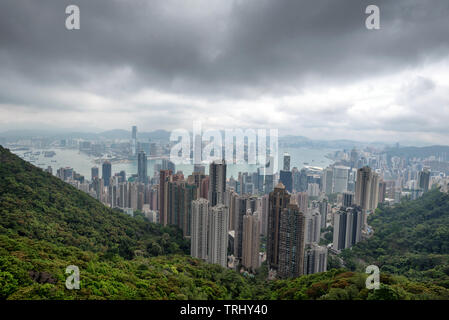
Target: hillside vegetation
{"x": 47, "y": 225}
{"x": 410, "y": 239}
{"x": 36, "y": 205}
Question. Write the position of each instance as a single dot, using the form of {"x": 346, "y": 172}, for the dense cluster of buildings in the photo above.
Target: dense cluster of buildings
{"x": 280, "y": 218}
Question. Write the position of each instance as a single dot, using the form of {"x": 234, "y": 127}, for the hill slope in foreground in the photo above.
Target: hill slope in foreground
{"x": 410, "y": 239}
{"x": 47, "y": 225}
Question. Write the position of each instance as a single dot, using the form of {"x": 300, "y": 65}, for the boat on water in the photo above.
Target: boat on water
{"x": 49, "y": 154}
{"x": 20, "y": 149}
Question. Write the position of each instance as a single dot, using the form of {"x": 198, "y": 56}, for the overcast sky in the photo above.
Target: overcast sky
{"x": 308, "y": 68}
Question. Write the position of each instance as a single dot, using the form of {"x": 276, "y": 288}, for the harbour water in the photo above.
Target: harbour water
{"x": 82, "y": 163}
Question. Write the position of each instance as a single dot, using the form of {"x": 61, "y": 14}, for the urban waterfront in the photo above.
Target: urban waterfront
{"x": 82, "y": 163}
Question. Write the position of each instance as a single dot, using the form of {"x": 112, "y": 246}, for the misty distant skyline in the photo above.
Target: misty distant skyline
{"x": 307, "y": 68}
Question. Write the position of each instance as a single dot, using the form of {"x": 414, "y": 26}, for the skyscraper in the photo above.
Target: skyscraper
{"x": 374, "y": 196}
{"x": 204, "y": 191}
{"x": 312, "y": 227}
{"x": 242, "y": 205}
{"x": 278, "y": 200}
{"x": 339, "y": 234}
{"x": 98, "y": 186}
{"x": 199, "y": 168}
{"x": 168, "y": 165}
{"x": 180, "y": 196}
{"x": 382, "y": 191}
{"x": 134, "y": 140}
{"x": 218, "y": 222}
{"x": 133, "y": 196}
{"x": 197, "y": 178}
{"x": 286, "y": 179}
{"x": 340, "y": 179}
{"x": 264, "y": 214}
{"x": 367, "y": 189}
{"x": 295, "y": 179}
{"x": 354, "y": 157}
{"x": 348, "y": 225}
{"x": 242, "y": 179}
{"x": 217, "y": 182}
{"x": 123, "y": 195}
{"x": 251, "y": 240}
{"x": 302, "y": 199}
{"x": 315, "y": 259}
{"x": 94, "y": 173}
{"x": 199, "y": 226}
{"x": 324, "y": 208}
{"x": 302, "y": 187}
{"x": 260, "y": 180}
{"x": 106, "y": 173}
{"x": 122, "y": 176}
{"x": 268, "y": 183}
{"x": 348, "y": 199}
{"x": 286, "y": 162}
{"x": 327, "y": 181}
{"x": 313, "y": 189}
{"x": 291, "y": 242}
{"x": 142, "y": 167}
{"x": 363, "y": 187}
{"x": 423, "y": 180}
{"x": 65, "y": 174}
{"x": 164, "y": 178}
{"x": 231, "y": 203}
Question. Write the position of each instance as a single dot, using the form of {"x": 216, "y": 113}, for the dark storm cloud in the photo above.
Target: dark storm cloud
{"x": 220, "y": 52}
{"x": 328, "y": 39}
{"x": 248, "y": 47}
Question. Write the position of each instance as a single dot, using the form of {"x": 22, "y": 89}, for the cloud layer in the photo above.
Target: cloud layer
{"x": 305, "y": 67}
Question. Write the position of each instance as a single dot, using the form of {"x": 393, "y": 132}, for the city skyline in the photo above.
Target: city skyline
{"x": 239, "y": 151}
{"x": 122, "y": 134}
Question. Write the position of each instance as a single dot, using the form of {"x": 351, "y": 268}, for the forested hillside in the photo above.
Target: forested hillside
{"x": 32, "y": 269}
{"x": 47, "y": 225}
{"x": 36, "y": 205}
{"x": 410, "y": 239}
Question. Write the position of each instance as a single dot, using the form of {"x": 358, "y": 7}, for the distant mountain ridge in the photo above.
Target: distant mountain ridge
{"x": 117, "y": 134}
{"x": 301, "y": 141}
{"x": 163, "y": 135}
{"x": 422, "y": 152}
{"x": 123, "y": 134}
